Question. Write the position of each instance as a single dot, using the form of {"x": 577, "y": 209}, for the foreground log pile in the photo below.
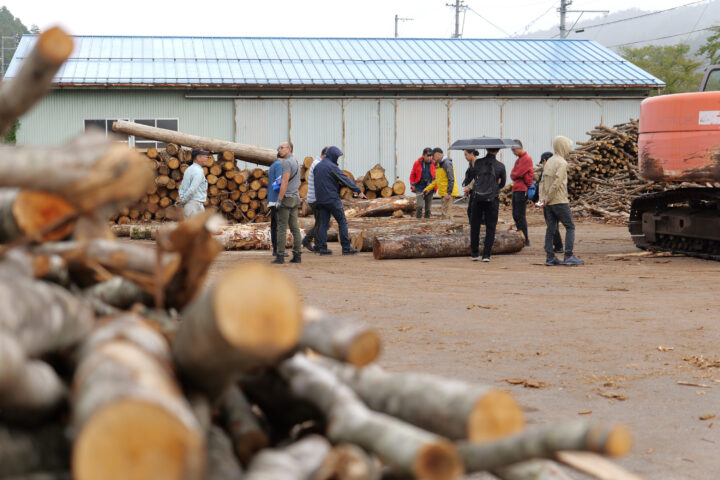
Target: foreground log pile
{"x": 603, "y": 176}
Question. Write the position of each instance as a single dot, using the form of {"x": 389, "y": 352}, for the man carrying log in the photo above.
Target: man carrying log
{"x": 522, "y": 177}
{"x": 422, "y": 174}
{"x": 328, "y": 178}
{"x": 289, "y": 202}
{"x": 489, "y": 175}
{"x": 554, "y": 198}
{"x": 193, "y": 189}
{"x": 444, "y": 181}
{"x": 311, "y": 199}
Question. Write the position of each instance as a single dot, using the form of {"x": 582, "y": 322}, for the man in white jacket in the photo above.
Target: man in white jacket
{"x": 311, "y": 236}
{"x": 193, "y": 189}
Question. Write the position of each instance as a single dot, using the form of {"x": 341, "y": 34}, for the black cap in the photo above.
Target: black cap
{"x": 437, "y": 150}
{"x": 198, "y": 151}
{"x": 545, "y": 156}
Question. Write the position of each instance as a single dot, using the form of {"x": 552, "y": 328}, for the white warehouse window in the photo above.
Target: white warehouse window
{"x": 105, "y": 125}
{"x": 166, "y": 123}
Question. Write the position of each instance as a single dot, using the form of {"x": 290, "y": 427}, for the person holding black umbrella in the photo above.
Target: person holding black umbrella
{"x": 489, "y": 176}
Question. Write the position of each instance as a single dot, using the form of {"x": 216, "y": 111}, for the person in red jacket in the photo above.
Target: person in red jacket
{"x": 422, "y": 175}
{"x": 522, "y": 177}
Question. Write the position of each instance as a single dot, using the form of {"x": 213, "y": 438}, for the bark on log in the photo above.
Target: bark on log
{"x": 30, "y": 390}
{"x": 119, "y": 292}
{"x": 221, "y": 461}
{"x": 24, "y": 212}
{"x": 402, "y": 446}
{"x": 454, "y": 409}
{"x": 34, "y": 78}
{"x": 26, "y": 451}
{"x": 442, "y": 245}
{"x": 247, "y": 436}
{"x": 377, "y": 207}
{"x": 131, "y": 418}
{"x": 299, "y": 461}
{"x": 362, "y": 238}
{"x": 43, "y": 317}
{"x": 255, "y": 236}
{"x": 339, "y": 338}
{"x": 349, "y": 462}
{"x": 533, "y": 470}
{"x": 251, "y": 317}
{"x": 545, "y": 442}
{"x": 247, "y": 153}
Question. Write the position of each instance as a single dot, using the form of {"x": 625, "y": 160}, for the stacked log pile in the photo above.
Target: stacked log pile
{"x": 603, "y": 176}
{"x": 376, "y": 185}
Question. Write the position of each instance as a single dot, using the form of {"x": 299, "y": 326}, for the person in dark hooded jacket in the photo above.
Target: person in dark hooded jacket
{"x": 328, "y": 179}
{"x": 489, "y": 176}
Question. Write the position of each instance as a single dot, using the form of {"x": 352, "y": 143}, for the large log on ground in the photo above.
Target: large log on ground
{"x": 24, "y": 212}
{"x": 545, "y": 442}
{"x": 251, "y": 317}
{"x": 452, "y": 408}
{"x": 247, "y": 153}
{"x": 404, "y": 447}
{"x": 243, "y": 425}
{"x": 442, "y": 245}
{"x": 339, "y": 338}
{"x": 298, "y": 461}
{"x": 377, "y": 207}
{"x": 130, "y": 416}
{"x": 34, "y": 78}
{"x": 362, "y": 238}
{"x": 25, "y": 451}
{"x": 251, "y": 236}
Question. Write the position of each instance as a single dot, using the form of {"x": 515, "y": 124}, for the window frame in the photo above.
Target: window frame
{"x": 131, "y": 138}
{"x": 155, "y": 119}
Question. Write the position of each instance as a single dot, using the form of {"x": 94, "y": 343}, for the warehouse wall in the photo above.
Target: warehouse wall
{"x": 393, "y": 132}
{"x": 60, "y": 115}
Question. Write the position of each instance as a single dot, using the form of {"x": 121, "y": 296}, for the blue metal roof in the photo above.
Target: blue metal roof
{"x": 340, "y": 62}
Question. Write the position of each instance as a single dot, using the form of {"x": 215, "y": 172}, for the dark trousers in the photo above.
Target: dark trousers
{"x": 557, "y": 239}
{"x": 421, "y": 201}
{"x": 555, "y": 214}
{"x": 311, "y": 235}
{"x": 519, "y": 208}
{"x": 483, "y": 213}
{"x": 324, "y": 212}
{"x": 273, "y": 228}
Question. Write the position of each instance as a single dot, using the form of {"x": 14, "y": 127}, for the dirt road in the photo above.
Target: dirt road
{"x": 611, "y": 339}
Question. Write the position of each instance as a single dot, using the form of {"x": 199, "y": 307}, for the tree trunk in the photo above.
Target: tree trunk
{"x": 24, "y": 212}
{"x": 378, "y": 207}
{"x": 339, "y": 338}
{"x": 34, "y": 78}
{"x": 247, "y": 436}
{"x": 533, "y": 470}
{"x": 120, "y": 292}
{"x": 250, "y": 318}
{"x": 27, "y": 451}
{"x": 298, "y": 461}
{"x": 402, "y": 446}
{"x": 362, "y": 238}
{"x": 129, "y": 413}
{"x": 221, "y": 461}
{"x": 545, "y": 442}
{"x": 442, "y": 245}
{"x": 246, "y": 153}
{"x": 454, "y": 409}
{"x": 386, "y": 192}
{"x": 254, "y": 236}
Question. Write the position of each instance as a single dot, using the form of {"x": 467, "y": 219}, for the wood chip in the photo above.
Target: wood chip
{"x": 707, "y": 416}
{"x": 585, "y": 412}
{"x": 692, "y": 384}
{"x": 665, "y": 349}
{"x": 525, "y": 383}
{"x": 614, "y": 395}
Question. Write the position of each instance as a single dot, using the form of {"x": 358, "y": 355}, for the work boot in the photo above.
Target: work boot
{"x": 553, "y": 262}
{"x": 527, "y": 243}
{"x": 296, "y": 258}
{"x": 307, "y": 243}
{"x": 327, "y": 251}
{"x": 349, "y": 251}
{"x": 278, "y": 260}
{"x": 572, "y": 261}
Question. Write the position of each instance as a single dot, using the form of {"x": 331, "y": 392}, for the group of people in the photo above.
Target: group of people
{"x": 484, "y": 178}
{"x": 432, "y": 173}
{"x": 325, "y": 179}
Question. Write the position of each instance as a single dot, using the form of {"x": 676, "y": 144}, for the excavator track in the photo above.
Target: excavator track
{"x": 685, "y": 220}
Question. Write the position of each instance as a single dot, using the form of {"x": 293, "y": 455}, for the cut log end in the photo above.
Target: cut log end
{"x": 55, "y": 45}
{"x": 35, "y": 210}
{"x": 495, "y": 415}
{"x": 155, "y": 445}
{"x": 438, "y": 461}
{"x": 251, "y": 319}
{"x": 617, "y": 443}
{"x": 364, "y": 349}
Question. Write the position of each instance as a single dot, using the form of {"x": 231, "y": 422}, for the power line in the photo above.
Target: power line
{"x": 662, "y": 38}
{"x": 488, "y": 21}
{"x": 642, "y": 15}
{"x": 527, "y": 27}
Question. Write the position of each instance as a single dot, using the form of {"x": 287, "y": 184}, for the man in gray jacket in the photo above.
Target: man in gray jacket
{"x": 289, "y": 202}
{"x": 193, "y": 189}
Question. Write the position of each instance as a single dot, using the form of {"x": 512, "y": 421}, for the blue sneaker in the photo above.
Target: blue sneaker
{"x": 572, "y": 261}
{"x": 553, "y": 262}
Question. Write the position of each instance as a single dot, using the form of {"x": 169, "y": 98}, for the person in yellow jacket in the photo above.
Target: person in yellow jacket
{"x": 445, "y": 181}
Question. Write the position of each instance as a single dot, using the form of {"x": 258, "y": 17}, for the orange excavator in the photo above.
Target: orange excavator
{"x": 679, "y": 141}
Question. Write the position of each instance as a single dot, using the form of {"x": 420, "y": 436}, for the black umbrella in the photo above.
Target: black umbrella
{"x": 483, "y": 143}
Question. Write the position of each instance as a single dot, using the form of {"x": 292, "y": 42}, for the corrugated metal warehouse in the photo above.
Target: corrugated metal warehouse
{"x": 379, "y": 100}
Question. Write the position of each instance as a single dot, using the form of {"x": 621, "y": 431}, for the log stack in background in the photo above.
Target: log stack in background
{"x": 375, "y": 184}
{"x": 603, "y": 176}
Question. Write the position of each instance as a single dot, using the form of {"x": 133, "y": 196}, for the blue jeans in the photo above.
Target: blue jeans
{"x": 336, "y": 210}
{"x": 554, "y": 214}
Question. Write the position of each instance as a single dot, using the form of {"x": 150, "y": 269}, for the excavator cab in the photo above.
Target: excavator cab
{"x": 711, "y": 80}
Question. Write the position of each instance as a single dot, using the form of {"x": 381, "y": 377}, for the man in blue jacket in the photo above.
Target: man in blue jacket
{"x": 328, "y": 178}
{"x": 275, "y": 177}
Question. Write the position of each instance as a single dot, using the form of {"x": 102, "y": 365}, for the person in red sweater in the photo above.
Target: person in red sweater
{"x": 422, "y": 175}
{"x": 522, "y": 177}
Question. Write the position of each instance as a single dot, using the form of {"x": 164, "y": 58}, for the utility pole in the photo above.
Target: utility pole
{"x": 399, "y": 19}
{"x": 459, "y": 6}
{"x": 564, "y": 4}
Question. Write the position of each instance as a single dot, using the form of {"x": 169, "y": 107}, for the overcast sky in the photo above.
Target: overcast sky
{"x": 306, "y": 18}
